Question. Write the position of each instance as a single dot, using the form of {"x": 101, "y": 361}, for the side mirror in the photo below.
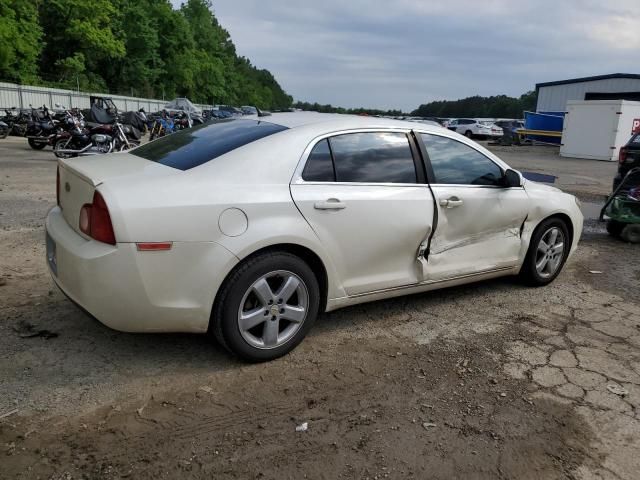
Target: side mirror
{"x": 511, "y": 179}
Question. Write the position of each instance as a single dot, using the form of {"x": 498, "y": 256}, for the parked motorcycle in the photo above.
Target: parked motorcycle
{"x": 42, "y": 128}
{"x": 16, "y": 121}
{"x": 99, "y": 139}
{"x": 4, "y": 130}
{"x": 162, "y": 125}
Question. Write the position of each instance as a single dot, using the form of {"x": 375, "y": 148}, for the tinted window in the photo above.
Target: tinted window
{"x": 454, "y": 162}
{"x": 202, "y": 143}
{"x": 319, "y": 167}
{"x": 377, "y": 157}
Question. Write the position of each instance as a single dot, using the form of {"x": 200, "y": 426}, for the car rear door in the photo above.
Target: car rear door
{"x": 365, "y": 196}
{"x": 480, "y": 221}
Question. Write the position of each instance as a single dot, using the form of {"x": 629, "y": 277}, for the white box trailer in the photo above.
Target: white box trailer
{"x": 596, "y": 129}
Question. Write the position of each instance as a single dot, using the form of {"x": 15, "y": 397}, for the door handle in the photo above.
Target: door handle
{"x": 451, "y": 202}
{"x": 330, "y": 204}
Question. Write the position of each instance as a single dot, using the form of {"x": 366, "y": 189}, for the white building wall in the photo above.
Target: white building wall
{"x": 554, "y": 98}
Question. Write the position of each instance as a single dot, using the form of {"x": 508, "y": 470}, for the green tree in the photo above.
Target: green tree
{"x": 140, "y": 47}
{"x": 80, "y": 26}
{"x": 20, "y": 41}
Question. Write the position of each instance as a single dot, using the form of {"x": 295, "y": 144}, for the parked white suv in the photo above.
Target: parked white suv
{"x": 475, "y": 128}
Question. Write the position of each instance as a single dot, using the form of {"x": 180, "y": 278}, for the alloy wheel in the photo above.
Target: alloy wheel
{"x": 273, "y": 309}
{"x": 550, "y": 252}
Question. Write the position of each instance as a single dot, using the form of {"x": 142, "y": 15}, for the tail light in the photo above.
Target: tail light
{"x": 622, "y": 155}
{"x": 95, "y": 220}
{"x": 58, "y": 186}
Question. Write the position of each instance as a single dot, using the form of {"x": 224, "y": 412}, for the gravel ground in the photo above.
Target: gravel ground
{"x": 491, "y": 380}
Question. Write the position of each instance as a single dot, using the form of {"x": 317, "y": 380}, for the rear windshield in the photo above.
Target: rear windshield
{"x": 189, "y": 148}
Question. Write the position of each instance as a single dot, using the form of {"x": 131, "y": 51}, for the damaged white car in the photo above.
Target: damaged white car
{"x": 248, "y": 228}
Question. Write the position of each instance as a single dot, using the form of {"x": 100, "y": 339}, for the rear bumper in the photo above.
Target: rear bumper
{"x": 131, "y": 291}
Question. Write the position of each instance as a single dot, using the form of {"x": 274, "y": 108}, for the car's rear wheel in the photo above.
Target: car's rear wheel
{"x": 266, "y": 306}
{"x": 550, "y": 244}
{"x": 468, "y": 134}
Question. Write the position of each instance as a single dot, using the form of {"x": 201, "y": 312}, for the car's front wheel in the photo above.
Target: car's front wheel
{"x": 266, "y": 306}
{"x": 548, "y": 250}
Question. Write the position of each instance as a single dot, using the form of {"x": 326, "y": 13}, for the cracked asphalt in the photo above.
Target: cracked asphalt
{"x": 489, "y": 380}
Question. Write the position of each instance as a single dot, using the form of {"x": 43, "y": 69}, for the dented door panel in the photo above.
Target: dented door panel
{"x": 480, "y": 232}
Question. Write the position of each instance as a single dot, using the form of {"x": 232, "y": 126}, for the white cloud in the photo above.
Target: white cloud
{"x": 400, "y": 53}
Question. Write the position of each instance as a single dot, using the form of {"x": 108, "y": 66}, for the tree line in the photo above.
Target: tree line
{"x": 328, "y": 108}
{"x": 144, "y": 48}
{"x": 500, "y": 106}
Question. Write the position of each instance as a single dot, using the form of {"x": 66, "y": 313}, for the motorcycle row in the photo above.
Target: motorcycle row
{"x": 100, "y": 129}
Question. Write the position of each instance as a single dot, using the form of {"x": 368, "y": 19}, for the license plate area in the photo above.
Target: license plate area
{"x": 52, "y": 259}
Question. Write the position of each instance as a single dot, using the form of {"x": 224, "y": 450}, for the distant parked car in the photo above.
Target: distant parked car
{"x": 471, "y": 128}
{"x": 628, "y": 158}
{"x": 249, "y": 110}
{"x": 230, "y": 109}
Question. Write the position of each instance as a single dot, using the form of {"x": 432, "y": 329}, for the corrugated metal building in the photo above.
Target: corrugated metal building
{"x": 553, "y": 96}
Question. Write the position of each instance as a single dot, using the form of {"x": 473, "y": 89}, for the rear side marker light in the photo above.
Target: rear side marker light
{"x": 154, "y": 246}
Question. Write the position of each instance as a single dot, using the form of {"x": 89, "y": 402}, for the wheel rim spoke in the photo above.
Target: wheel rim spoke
{"x": 252, "y": 318}
{"x": 553, "y": 236}
{"x": 558, "y": 248}
{"x": 293, "y": 314}
{"x": 542, "y": 246}
{"x": 542, "y": 263}
{"x": 263, "y": 291}
{"x": 270, "y": 335}
{"x": 288, "y": 288}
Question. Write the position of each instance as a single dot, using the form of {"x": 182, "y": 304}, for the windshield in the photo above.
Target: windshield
{"x": 201, "y": 144}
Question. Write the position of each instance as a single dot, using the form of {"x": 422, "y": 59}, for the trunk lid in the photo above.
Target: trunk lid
{"x": 79, "y": 178}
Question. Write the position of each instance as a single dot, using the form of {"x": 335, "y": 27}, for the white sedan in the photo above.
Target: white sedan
{"x": 248, "y": 228}
{"x": 475, "y": 128}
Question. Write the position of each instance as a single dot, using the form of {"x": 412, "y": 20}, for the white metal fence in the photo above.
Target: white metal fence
{"x": 22, "y": 96}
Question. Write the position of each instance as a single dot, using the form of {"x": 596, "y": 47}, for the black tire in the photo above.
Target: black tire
{"x": 528, "y": 273}
{"x": 614, "y": 228}
{"x": 468, "y": 134}
{"x": 36, "y": 145}
{"x": 631, "y": 233}
{"x": 62, "y": 144}
{"x": 223, "y": 324}
{"x": 4, "y": 133}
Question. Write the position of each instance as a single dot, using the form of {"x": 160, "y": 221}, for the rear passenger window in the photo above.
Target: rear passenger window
{"x": 319, "y": 167}
{"x": 455, "y": 163}
{"x": 375, "y": 157}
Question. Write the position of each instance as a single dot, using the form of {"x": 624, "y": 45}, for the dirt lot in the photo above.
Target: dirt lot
{"x": 492, "y": 380}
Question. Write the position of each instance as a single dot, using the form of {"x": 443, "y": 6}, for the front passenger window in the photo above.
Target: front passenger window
{"x": 455, "y": 163}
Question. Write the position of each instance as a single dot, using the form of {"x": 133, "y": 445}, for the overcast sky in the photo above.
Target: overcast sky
{"x": 401, "y": 53}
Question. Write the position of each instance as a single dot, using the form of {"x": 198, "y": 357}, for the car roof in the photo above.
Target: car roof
{"x": 334, "y": 121}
